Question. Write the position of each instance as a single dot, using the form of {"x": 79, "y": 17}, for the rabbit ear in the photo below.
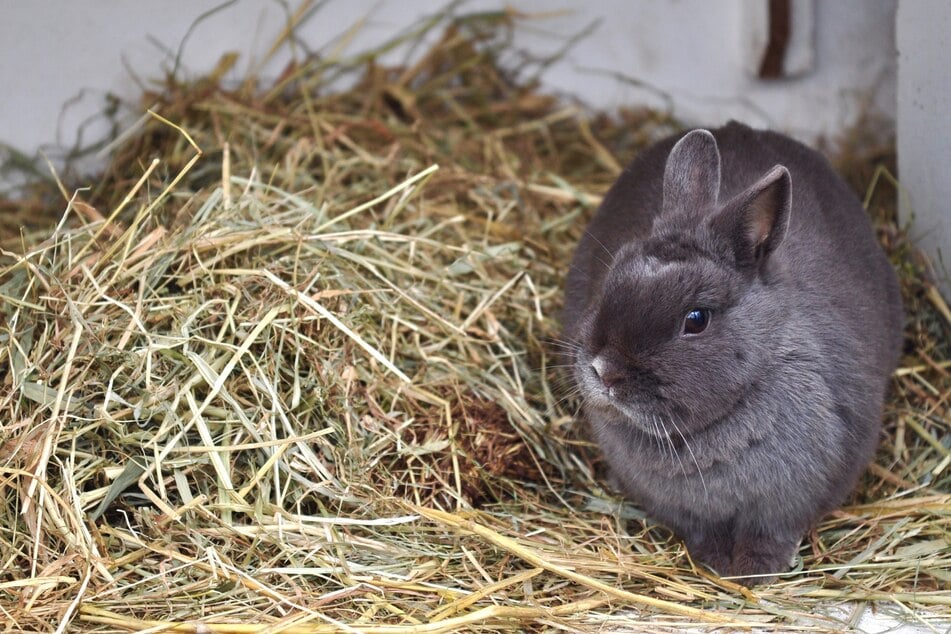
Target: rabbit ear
{"x": 755, "y": 221}
{"x": 692, "y": 174}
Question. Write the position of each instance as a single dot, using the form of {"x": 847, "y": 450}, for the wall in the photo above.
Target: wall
{"x": 61, "y": 60}
{"x": 62, "y": 63}
{"x": 924, "y": 140}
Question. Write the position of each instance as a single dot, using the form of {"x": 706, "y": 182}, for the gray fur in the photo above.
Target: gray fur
{"x": 741, "y": 437}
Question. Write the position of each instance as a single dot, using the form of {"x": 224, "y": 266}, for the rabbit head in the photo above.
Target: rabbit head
{"x": 683, "y": 324}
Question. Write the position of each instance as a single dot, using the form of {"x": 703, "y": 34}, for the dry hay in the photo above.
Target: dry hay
{"x": 302, "y": 380}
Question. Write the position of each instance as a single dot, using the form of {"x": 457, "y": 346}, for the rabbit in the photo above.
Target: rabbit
{"x": 732, "y": 326}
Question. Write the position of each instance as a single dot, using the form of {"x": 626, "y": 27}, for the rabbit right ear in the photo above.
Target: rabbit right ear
{"x": 692, "y": 173}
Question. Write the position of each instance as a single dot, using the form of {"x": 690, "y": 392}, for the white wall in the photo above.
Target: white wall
{"x": 60, "y": 58}
{"x": 924, "y": 127}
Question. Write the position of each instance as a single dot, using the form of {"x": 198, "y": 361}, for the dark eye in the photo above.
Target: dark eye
{"x": 696, "y": 321}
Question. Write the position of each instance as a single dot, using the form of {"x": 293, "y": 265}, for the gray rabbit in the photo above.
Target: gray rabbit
{"x": 733, "y": 325}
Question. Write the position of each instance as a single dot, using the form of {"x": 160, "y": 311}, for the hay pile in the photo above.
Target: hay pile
{"x": 288, "y": 367}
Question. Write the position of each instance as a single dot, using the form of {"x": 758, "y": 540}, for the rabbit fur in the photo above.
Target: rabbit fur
{"x": 733, "y": 326}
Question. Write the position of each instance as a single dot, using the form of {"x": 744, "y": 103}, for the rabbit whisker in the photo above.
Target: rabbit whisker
{"x": 601, "y": 244}
{"x": 703, "y": 482}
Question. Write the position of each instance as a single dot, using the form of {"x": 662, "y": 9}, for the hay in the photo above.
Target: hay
{"x": 288, "y": 367}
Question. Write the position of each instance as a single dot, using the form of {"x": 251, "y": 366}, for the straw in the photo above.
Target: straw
{"x": 276, "y": 372}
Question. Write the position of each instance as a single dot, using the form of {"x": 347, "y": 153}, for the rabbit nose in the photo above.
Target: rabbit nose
{"x": 609, "y": 374}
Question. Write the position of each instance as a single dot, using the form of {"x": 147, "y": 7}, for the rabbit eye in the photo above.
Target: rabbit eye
{"x": 696, "y": 321}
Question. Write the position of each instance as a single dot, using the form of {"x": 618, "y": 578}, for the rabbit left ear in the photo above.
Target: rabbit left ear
{"x": 755, "y": 220}
{"x": 692, "y": 173}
